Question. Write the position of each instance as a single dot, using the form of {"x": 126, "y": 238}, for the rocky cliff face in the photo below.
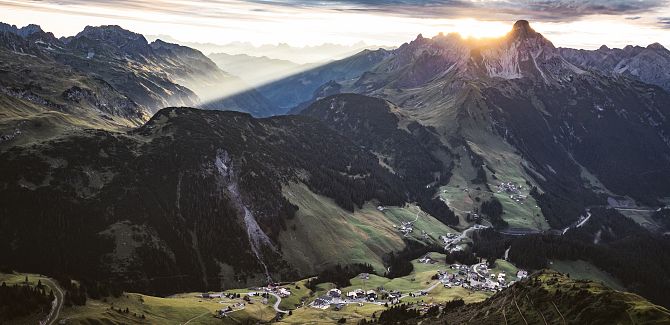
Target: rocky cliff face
{"x": 647, "y": 64}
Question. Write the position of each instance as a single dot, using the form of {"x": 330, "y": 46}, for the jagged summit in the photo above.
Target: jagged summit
{"x": 111, "y": 38}
{"x": 111, "y": 33}
{"x": 522, "y": 29}
{"x": 656, "y": 46}
{"x": 24, "y": 31}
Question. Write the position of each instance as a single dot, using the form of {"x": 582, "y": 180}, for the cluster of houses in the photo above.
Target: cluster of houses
{"x": 405, "y": 228}
{"x": 225, "y": 311}
{"x": 509, "y": 187}
{"x": 452, "y": 242}
{"x": 338, "y": 299}
{"x": 283, "y": 292}
{"x": 322, "y": 302}
{"x": 360, "y": 294}
{"x": 473, "y": 279}
{"x": 276, "y": 289}
{"x": 476, "y": 278}
{"x": 514, "y": 191}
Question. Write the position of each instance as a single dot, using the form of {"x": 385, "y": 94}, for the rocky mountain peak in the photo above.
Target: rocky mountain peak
{"x": 522, "y": 33}
{"x": 23, "y": 31}
{"x": 29, "y": 30}
{"x": 111, "y": 38}
{"x": 522, "y": 29}
{"x": 111, "y": 34}
{"x": 420, "y": 40}
{"x": 656, "y": 46}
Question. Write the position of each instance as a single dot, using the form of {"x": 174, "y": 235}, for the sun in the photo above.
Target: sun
{"x": 480, "y": 29}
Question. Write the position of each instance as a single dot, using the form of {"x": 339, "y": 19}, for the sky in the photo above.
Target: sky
{"x": 569, "y": 23}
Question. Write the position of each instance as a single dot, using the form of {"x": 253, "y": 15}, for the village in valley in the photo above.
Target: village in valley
{"x": 432, "y": 282}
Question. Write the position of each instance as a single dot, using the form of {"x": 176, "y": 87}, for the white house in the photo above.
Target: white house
{"x": 335, "y": 293}
{"x": 522, "y": 274}
{"x": 283, "y": 292}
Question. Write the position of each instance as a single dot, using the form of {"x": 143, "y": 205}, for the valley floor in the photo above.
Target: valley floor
{"x": 422, "y": 289}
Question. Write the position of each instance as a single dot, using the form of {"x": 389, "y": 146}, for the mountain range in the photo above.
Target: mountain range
{"x": 309, "y": 54}
{"x": 647, "y": 64}
{"x": 532, "y": 116}
{"x": 110, "y": 76}
{"x": 111, "y": 175}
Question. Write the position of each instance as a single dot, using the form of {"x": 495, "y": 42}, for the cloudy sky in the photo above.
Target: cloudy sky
{"x": 573, "y": 23}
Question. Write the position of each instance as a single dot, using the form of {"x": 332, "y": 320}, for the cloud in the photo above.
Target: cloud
{"x": 633, "y": 18}
{"x": 540, "y": 10}
{"x": 664, "y": 22}
{"x": 545, "y": 10}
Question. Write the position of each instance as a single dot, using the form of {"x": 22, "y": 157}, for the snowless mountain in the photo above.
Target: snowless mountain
{"x": 503, "y": 132}
{"x": 108, "y": 77}
{"x": 648, "y": 64}
{"x": 519, "y": 110}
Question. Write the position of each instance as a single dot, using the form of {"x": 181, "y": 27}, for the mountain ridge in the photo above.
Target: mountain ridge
{"x": 116, "y": 80}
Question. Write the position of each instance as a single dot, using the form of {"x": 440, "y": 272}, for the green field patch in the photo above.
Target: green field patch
{"x": 323, "y": 234}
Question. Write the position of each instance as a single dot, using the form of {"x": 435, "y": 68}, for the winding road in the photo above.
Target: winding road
{"x": 56, "y": 305}
{"x": 276, "y": 305}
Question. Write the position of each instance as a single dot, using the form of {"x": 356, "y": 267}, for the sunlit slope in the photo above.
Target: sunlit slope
{"x": 323, "y": 234}
{"x": 552, "y": 298}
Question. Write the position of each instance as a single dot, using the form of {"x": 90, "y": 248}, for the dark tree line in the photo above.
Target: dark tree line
{"x": 340, "y": 275}
{"x": 493, "y": 209}
{"x": 662, "y": 216}
{"x": 465, "y": 257}
{"x": 21, "y": 300}
{"x": 397, "y": 314}
{"x": 400, "y": 263}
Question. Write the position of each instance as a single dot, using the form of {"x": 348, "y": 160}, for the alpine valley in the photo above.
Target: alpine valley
{"x": 448, "y": 180}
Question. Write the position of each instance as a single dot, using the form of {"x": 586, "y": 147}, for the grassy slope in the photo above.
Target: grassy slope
{"x": 446, "y": 114}
{"x": 534, "y": 301}
{"x": 176, "y": 309}
{"x": 323, "y": 234}
{"x": 49, "y": 80}
{"x": 419, "y": 279}
{"x": 551, "y": 298}
{"x": 36, "y": 123}
{"x": 586, "y": 271}
{"x": 433, "y": 227}
{"x": 501, "y": 158}
{"x": 507, "y": 267}
{"x": 352, "y": 313}
{"x": 299, "y": 291}
{"x": 181, "y": 308}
